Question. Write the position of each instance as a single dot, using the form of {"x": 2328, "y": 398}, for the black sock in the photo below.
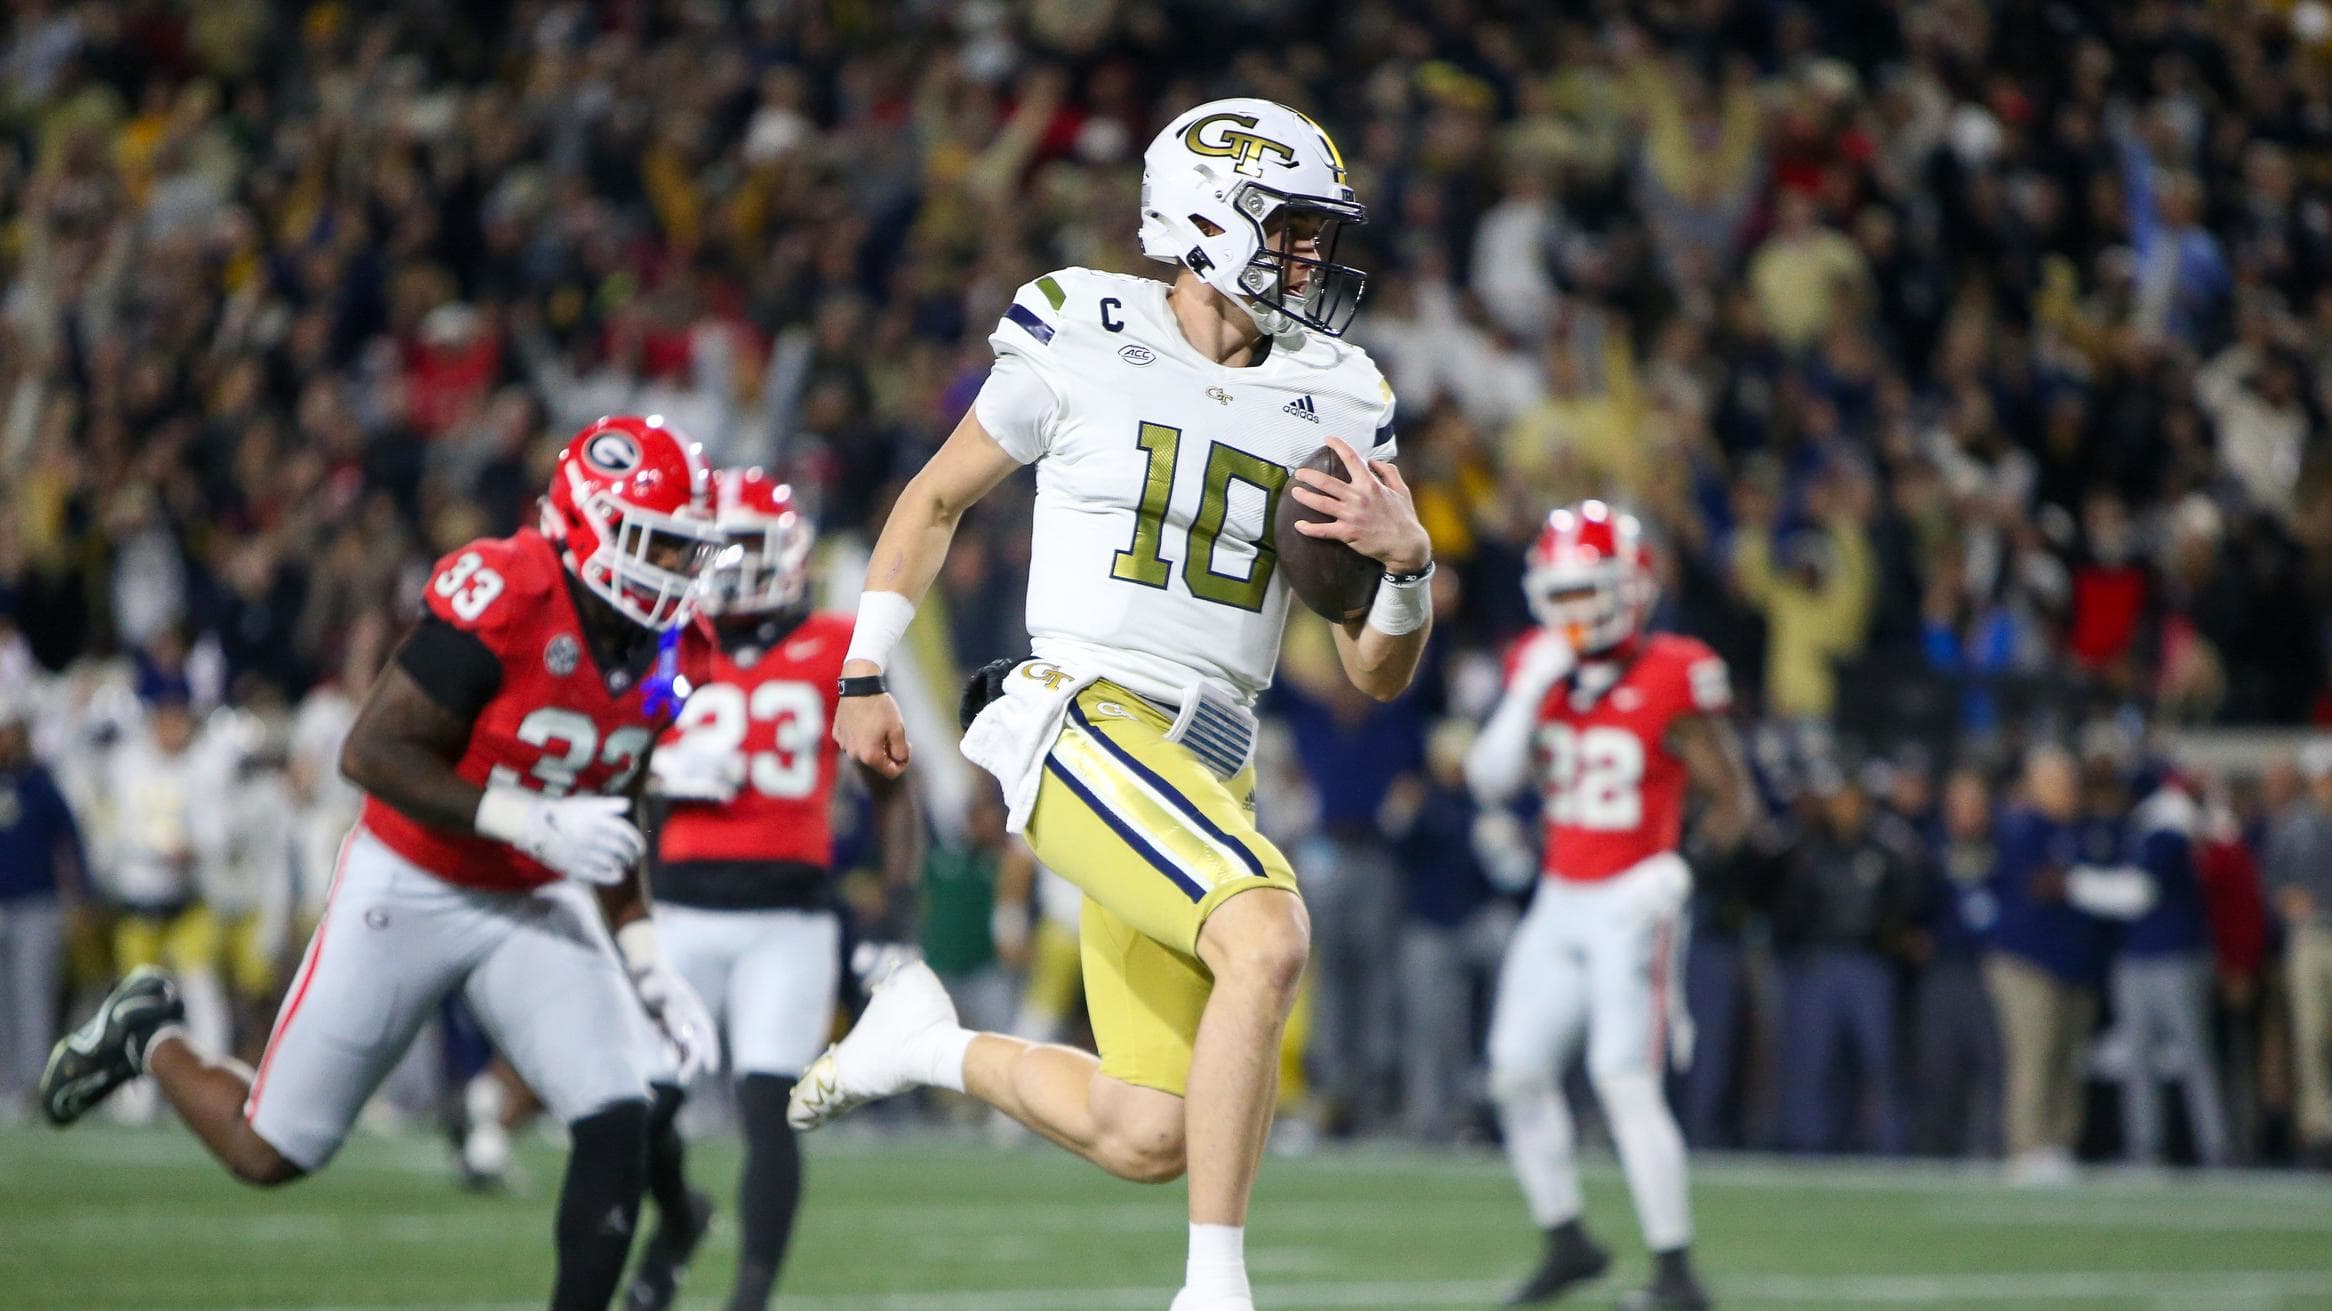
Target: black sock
{"x": 607, "y": 1166}
{"x": 667, "y": 1160}
{"x": 1672, "y": 1266}
{"x": 770, "y": 1191}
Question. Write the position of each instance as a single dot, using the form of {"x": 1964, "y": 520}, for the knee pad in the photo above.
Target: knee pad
{"x": 1626, "y": 1091}
{"x": 1521, "y": 1084}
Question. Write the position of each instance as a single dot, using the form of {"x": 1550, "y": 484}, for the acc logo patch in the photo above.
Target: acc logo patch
{"x": 562, "y": 655}
{"x": 612, "y": 453}
{"x": 1134, "y": 354}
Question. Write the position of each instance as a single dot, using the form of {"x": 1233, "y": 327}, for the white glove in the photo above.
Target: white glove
{"x": 684, "y": 772}
{"x": 1504, "y": 849}
{"x": 588, "y": 839}
{"x": 678, "y": 1012}
{"x": 1545, "y": 659}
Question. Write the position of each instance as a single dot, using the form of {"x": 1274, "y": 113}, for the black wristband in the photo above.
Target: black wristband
{"x": 860, "y": 685}
{"x": 1410, "y": 579}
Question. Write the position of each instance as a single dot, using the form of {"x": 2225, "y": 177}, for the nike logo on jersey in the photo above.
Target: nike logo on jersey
{"x": 803, "y": 649}
{"x": 1302, "y": 408}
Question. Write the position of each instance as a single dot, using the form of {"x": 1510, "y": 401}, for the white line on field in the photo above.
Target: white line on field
{"x": 2076, "y": 1287}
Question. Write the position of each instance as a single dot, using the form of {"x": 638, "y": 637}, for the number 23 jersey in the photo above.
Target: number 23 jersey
{"x": 554, "y": 723}
{"x": 773, "y": 706}
{"x": 1614, "y": 791}
{"x": 1158, "y": 474}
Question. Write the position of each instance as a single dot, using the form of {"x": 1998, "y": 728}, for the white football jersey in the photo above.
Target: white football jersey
{"x": 1158, "y": 475}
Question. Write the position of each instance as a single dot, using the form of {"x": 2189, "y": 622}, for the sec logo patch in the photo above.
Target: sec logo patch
{"x": 1137, "y": 355}
{"x": 562, "y": 655}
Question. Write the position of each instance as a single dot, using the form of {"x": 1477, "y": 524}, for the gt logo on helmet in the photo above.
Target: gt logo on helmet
{"x": 1244, "y": 149}
{"x": 613, "y": 453}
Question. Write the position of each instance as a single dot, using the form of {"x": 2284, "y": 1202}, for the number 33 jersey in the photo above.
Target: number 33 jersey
{"x": 771, "y": 704}
{"x": 553, "y": 722}
{"x": 1614, "y": 791}
{"x": 1158, "y": 474}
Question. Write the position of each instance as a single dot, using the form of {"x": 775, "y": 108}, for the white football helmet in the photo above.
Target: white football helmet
{"x": 1225, "y": 185}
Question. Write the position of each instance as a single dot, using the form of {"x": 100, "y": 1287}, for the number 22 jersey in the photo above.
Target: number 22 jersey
{"x": 551, "y": 719}
{"x": 1614, "y": 791}
{"x": 1158, "y": 473}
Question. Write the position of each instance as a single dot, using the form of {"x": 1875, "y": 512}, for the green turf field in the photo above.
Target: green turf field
{"x": 104, "y": 1219}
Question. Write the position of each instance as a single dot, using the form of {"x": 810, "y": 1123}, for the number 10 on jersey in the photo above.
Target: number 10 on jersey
{"x": 1144, "y": 560}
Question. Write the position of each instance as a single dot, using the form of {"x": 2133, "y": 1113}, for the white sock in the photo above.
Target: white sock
{"x": 938, "y": 1059}
{"x": 1651, "y": 1155}
{"x": 1218, "y": 1261}
{"x": 1540, "y": 1145}
{"x": 155, "y": 1039}
{"x": 209, "y": 1020}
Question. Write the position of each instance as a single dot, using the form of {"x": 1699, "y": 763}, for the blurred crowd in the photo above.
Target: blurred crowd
{"x": 1967, "y": 359}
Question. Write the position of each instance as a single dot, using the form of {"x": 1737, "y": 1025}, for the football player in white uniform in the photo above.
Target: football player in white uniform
{"x": 1163, "y": 422}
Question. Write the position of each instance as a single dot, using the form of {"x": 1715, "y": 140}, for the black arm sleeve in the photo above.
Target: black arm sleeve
{"x": 454, "y": 667}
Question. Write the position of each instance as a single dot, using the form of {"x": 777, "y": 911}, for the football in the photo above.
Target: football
{"x": 1337, "y": 582}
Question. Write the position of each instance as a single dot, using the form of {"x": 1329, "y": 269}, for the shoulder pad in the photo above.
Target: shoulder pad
{"x": 1040, "y": 307}
{"x": 1707, "y": 683}
{"x": 491, "y": 583}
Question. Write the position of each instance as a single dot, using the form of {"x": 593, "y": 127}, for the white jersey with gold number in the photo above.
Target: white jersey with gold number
{"x": 1158, "y": 474}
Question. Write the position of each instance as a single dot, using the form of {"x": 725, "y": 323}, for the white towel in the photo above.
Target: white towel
{"x": 1014, "y": 733}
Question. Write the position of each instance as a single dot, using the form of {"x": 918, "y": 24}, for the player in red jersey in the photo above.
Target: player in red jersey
{"x": 500, "y": 755}
{"x": 1612, "y": 722}
{"x": 745, "y": 782}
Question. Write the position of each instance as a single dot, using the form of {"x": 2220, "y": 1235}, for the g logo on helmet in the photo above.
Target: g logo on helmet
{"x": 612, "y": 453}
{"x": 1244, "y": 149}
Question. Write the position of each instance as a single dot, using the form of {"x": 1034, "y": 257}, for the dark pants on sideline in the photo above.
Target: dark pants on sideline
{"x": 1957, "y": 1102}
{"x": 1716, "y": 992}
{"x": 1838, "y": 1005}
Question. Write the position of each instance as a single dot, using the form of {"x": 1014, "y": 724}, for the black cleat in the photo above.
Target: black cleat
{"x": 1674, "y": 1287}
{"x": 1572, "y": 1259}
{"x": 656, "y": 1284}
{"x": 109, "y": 1049}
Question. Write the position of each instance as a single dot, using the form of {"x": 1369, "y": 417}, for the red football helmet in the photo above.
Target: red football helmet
{"x": 1589, "y": 576}
{"x": 764, "y": 563}
{"x": 630, "y": 507}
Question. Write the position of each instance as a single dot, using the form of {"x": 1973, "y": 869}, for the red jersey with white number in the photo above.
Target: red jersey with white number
{"x": 1614, "y": 791}
{"x": 774, "y": 706}
{"x": 555, "y": 724}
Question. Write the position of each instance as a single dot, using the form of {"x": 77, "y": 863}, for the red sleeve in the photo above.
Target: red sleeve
{"x": 488, "y": 588}
{"x": 1705, "y": 686}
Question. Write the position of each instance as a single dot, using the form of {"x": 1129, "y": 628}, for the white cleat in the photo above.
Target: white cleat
{"x": 1189, "y": 1301}
{"x": 882, "y": 1054}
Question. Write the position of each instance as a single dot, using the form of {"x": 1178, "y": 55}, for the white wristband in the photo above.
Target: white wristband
{"x": 502, "y": 814}
{"x": 1402, "y": 608}
{"x": 636, "y": 943}
{"x": 882, "y": 620}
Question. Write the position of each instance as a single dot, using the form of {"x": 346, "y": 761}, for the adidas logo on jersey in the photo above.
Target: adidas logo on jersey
{"x": 1302, "y": 408}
